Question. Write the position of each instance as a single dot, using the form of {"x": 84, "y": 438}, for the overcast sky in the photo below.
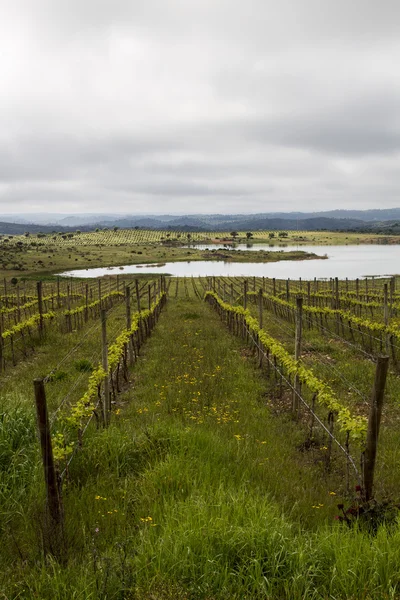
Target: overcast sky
{"x": 189, "y": 106}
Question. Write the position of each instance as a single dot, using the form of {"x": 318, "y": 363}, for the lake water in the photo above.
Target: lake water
{"x": 343, "y": 261}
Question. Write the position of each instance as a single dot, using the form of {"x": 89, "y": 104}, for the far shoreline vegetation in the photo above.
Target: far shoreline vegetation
{"x": 44, "y": 254}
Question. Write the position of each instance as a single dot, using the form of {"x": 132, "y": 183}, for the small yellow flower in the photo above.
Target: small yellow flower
{"x": 332, "y": 493}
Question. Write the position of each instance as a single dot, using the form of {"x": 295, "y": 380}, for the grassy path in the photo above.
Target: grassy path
{"x": 197, "y": 491}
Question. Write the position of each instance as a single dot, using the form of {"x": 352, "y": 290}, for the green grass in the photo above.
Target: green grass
{"x": 196, "y": 491}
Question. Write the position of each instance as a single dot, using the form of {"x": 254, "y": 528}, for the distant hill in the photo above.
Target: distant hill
{"x": 376, "y": 220}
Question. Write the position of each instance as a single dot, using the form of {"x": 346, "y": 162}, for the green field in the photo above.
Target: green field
{"x": 206, "y": 484}
{"x": 26, "y": 255}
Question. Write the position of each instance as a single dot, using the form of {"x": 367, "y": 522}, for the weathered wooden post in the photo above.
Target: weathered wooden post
{"x": 273, "y": 286}
{"x": 40, "y": 306}
{"x": 385, "y": 304}
{"x": 50, "y": 476}
{"x": 287, "y": 290}
{"x": 104, "y": 351}
{"x": 18, "y": 304}
{"x": 391, "y": 289}
{"x": 337, "y": 301}
{"x": 58, "y": 293}
{"x": 245, "y": 294}
{"x": 297, "y": 350}
{"x": 260, "y": 308}
{"x": 86, "y": 302}
{"x": 374, "y": 421}
{"x": 137, "y": 294}
{"x": 129, "y": 322}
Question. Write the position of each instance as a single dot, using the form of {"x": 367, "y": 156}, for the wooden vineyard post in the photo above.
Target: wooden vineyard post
{"x": 287, "y": 290}
{"x": 391, "y": 289}
{"x": 18, "y": 304}
{"x": 149, "y": 293}
{"x": 297, "y": 350}
{"x": 374, "y": 422}
{"x": 273, "y": 286}
{"x": 86, "y": 303}
{"x": 245, "y": 294}
{"x": 337, "y": 301}
{"x": 386, "y": 314}
{"x": 50, "y": 476}
{"x": 40, "y": 306}
{"x": 104, "y": 349}
{"x": 260, "y": 308}
{"x": 385, "y": 304}
{"x": 137, "y": 294}
{"x": 58, "y": 293}
{"x": 154, "y": 292}
{"x": 129, "y": 322}
{"x": 309, "y": 293}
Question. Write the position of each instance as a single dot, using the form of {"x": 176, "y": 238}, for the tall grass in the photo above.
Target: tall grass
{"x": 196, "y": 491}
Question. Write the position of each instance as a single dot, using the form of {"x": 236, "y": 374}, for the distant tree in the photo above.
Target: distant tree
{"x": 115, "y": 228}
{"x": 78, "y": 231}
{"x": 249, "y": 235}
{"x": 188, "y": 235}
{"x": 14, "y": 281}
{"x": 234, "y": 234}
{"x": 271, "y": 235}
{"x": 283, "y": 234}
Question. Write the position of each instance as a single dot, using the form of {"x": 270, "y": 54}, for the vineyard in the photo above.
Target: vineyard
{"x": 45, "y": 254}
{"x": 199, "y": 437}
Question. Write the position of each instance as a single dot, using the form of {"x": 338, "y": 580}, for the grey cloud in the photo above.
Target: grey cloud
{"x": 169, "y": 105}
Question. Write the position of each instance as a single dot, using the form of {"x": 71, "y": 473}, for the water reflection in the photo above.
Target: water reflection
{"x": 343, "y": 261}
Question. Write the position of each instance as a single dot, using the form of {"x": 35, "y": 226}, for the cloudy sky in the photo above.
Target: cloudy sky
{"x": 190, "y": 106}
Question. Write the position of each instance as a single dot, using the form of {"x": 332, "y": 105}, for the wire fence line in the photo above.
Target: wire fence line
{"x": 304, "y": 402}
{"x": 237, "y": 323}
